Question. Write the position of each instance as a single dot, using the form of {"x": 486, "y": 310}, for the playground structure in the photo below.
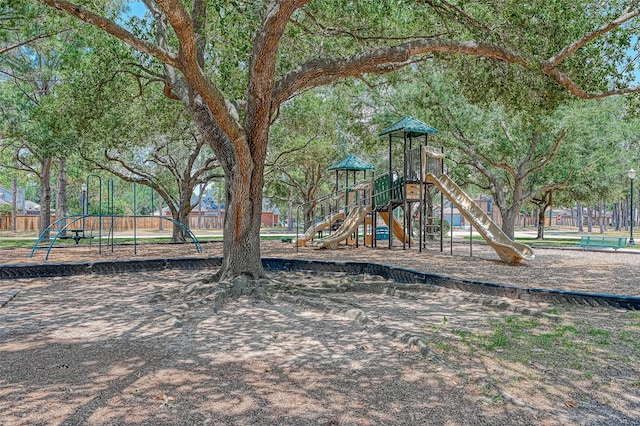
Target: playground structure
{"x": 403, "y": 199}
{"x": 82, "y": 226}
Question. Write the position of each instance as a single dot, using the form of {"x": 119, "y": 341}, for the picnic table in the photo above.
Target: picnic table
{"x": 76, "y": 237}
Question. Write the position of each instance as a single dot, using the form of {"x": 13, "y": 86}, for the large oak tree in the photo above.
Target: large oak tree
{"x": 234, "y": 63}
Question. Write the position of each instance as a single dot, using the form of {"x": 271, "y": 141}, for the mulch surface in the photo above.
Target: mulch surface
{"x": 136, "y": 348}
{"x": 589, "y": 271}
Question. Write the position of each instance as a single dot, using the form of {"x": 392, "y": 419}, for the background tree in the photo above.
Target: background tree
{"x": 31, "y": 131}
{"x": 312, "y": 132}
{"x": 149, "y": 141}
{"x": 604, "y": 137}
{"x": 273, "y": 50}
{"x": 507, "y": 163}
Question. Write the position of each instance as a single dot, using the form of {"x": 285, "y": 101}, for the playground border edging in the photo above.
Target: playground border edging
{"x": 402, "y": 275}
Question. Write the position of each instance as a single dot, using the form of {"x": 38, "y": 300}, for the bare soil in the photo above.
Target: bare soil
{"x": 330, "y": 349}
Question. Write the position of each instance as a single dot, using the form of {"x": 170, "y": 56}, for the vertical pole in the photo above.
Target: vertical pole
{"x": 631, "y": 242}
{"x": 441, "y": 205}
{"x": 135, "y": 213}
{"x": 346, "y": 199}
{"x": 112, "y": 210}
{"x": 199, "y": 205}
{"x": 425, "y": 218}
{"x": 100, "y": 215}
{"x": 335, "y": 197}
{"x": 451, "y": 225}
{"x": 470, "y": 240}
{"x": 423, "y": 189}
{"x": 404, "y": 194}
{"x": 297, "y": 225}
{"x": 84, "y": 203}
{"x": 390, "y": 193}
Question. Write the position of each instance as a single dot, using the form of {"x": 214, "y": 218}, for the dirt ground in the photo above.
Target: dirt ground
{"x": 144, "y": 349}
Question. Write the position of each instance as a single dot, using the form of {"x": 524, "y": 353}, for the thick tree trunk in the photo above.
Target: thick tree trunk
{"x": 244, "y": 181}
{"x": 61, "y": 190}
{"x": 541, "y": 212}
{"x": 601, "y": 216}
{"x": 200, "y": 195}
{"x": 309, "y": 214}
{"x": 181, "y": 215}
{"x": 509, "y": 218}
{"x": 290, "y": 212}
{"x": 579, "y": 217}
{"x": 45, "y": 196}
{"x": 625, "y": 214}
{"x": 178, "y": 234}
{"x": 589, "y": 220}
{"x": 241, "y": 247}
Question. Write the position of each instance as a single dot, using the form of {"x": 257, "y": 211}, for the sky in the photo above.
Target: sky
{"x": 137, "y": 8}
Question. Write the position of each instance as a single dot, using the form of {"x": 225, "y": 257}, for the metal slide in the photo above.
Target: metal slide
{"x": 397, "y": 228}
{"x": 509, "y": 251}
{"x": 315, "y": 227}
{"x": 350, "y": 225}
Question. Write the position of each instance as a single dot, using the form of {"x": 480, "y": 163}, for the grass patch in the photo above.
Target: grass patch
{"x": 444, "y": 347}
{"x": 562, "y": 329}
{"x": 462, "y": 333}
{"x": 600, "y": 336}
{"x": 498, "y": 339}
{"x": 6, "y": 243}
{"x": 27, "y": 242}
{"x": 523, "y": 339}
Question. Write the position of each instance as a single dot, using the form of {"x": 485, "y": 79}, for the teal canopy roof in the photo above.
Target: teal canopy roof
{"x": 351, "y": 162}
{"x": 408, "y": 126}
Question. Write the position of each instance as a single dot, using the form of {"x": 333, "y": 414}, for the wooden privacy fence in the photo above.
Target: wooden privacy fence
{"x": 23, "y": 222}
{"x": 30, "y": 223}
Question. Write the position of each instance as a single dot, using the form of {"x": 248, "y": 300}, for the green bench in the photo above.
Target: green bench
{"x": 604, "y": 242}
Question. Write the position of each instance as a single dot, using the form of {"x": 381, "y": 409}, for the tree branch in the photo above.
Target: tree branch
{"x": 627, "y": 15}
{"x": 112, "y": 28}
{"x": 321, "y": 71}
{"x": 564, "y": 80}
{"x": 545, "y": 189}
{"x": 262, "y": 69}
{"x": 549, "y": 67}
{"x": 326, "y": 30}
{"x": 291, "y": 151}
{"x": 187, "y": 62}
{"x": 31, "y": 40}
{"x": 553, "y": 155}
